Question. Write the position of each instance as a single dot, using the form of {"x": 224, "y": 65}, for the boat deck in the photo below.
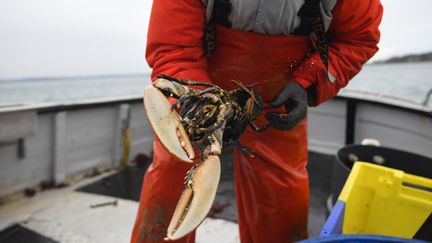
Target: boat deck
{"x": 66, "y": 214}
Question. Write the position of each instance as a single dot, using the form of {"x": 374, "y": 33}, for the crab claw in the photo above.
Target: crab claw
{"x": 196, "y": 199}
{"x": 166, "y": 124}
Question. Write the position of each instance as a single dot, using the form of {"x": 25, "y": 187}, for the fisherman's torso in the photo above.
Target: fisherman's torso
{"x": 273, "y": 17}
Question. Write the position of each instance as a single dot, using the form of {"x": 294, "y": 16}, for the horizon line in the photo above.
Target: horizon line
{"x": 74, "y": 77}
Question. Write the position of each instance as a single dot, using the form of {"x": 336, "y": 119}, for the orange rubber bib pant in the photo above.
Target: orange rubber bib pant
{"x": 272, "y": 187}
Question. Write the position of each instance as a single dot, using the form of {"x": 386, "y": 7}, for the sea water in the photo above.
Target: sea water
{"x": 409, "y": 81}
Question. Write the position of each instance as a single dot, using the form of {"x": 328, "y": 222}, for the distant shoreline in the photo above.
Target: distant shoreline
{"x": 411, "y": 58}
{"x": 377, "y": 63}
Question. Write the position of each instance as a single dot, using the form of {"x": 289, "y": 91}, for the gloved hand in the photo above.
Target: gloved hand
{"x": 294, "y": 98}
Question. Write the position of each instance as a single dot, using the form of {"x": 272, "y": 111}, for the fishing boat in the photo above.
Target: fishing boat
{"x": 72, "y": 171}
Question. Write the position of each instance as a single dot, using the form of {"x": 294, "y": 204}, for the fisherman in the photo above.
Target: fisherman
{"x": 296, "y": 54}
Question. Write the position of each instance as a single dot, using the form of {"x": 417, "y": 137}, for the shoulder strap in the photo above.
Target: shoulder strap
{"x": 312, "y": 24}
{"x": 308, "y": 13}
{"x": 220, "y": 12}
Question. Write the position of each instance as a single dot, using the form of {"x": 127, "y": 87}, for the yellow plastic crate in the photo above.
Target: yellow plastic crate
{"x": 385, "y": 201}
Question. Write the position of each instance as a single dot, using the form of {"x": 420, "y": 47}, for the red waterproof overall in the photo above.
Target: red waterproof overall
{"x": 272, "y": 187}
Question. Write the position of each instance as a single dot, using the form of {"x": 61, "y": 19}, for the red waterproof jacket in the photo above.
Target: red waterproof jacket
{"x": 175, "y": 44}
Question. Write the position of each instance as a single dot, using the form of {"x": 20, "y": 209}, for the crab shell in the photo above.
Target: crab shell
{"x": 197, "y": 198}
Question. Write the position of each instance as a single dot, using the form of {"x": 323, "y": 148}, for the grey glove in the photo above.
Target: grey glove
{"x": 294, "y": 98}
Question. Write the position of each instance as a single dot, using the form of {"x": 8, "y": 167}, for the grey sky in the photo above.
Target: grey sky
{"x": 89, "y": 37}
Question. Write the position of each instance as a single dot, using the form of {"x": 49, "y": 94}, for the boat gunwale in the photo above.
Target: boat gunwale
{"x": 350, "y": 95}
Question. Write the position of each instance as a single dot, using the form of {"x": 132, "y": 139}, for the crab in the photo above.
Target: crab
{"x": 213, "y": 117}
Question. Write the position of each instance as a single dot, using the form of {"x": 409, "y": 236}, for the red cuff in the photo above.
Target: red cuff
{"x": 305, "y": 83}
